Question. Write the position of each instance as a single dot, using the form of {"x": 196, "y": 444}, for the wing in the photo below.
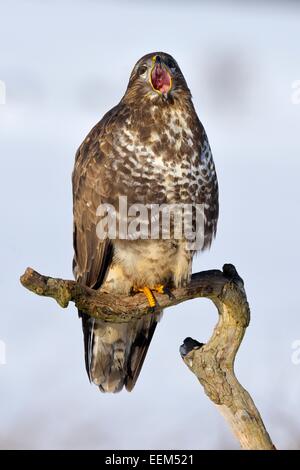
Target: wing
{"x": 209, "y": 191}
{"x": 92, "y": 256}
{"x": 114, "y": 353}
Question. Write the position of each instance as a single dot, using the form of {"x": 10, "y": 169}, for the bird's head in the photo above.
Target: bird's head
{"x": 156, "y": 77}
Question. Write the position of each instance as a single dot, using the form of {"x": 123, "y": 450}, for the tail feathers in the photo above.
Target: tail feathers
{"x": 115, "y": 352}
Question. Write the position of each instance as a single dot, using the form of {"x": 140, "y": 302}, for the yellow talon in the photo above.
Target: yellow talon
{"x": 160, "y": 289}
{"x": 149, "y": 295}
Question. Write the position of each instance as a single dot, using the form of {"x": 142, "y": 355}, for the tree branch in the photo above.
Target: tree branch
{"x": 212, "y": 363}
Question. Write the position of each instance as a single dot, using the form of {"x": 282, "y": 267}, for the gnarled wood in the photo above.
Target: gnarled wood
{"x": 212, "y": 363}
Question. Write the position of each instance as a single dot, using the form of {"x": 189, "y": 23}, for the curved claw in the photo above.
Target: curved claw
{"x": 169, "y": 293}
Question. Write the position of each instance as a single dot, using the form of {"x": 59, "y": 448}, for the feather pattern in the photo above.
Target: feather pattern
{"x": 153, "y": 150}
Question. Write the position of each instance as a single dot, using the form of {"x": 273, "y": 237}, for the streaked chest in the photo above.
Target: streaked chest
{"x": 159, "y": 156}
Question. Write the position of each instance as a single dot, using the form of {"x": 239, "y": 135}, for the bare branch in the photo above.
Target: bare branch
{"x": 110, "y": 307}
{"x": 212, "y": 363}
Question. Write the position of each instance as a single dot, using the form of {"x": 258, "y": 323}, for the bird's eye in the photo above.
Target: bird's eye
{"x": 143, "y": 69}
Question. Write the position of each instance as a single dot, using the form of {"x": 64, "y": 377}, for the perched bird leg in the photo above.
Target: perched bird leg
{"x": 161, "y": 289}
{"x": 147, "y": 291}
{"x": 150, "y": 297}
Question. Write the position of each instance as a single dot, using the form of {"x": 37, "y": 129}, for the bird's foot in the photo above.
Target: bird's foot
{"x": 147, "y": 291}
{"x": 149, "y": 296}
{"x": 161, "y": 289}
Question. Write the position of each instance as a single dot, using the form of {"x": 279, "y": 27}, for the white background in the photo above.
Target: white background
{"x": 66, "y": 63}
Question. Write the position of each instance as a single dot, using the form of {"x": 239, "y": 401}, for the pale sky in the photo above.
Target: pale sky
{"x": 64, "y": 65}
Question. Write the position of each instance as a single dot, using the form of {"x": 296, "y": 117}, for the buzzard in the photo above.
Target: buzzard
{"x": 153, "y": 149}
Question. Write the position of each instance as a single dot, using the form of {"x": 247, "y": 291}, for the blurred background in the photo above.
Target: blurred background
{"x": 64, "y": 64}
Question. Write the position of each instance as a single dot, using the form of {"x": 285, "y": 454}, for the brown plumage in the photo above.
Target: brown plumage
{"x": 152, "y": 149}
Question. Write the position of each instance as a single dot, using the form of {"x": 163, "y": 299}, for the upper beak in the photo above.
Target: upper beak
{"x": 158, "y": 60}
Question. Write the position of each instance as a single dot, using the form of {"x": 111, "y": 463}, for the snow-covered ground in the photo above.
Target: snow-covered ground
{"x": 66, "y": 63}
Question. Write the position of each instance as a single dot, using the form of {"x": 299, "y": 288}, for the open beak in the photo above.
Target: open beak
{"x": 160, "y": 77}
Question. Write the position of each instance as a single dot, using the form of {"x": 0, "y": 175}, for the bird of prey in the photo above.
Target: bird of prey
{"x": 153, "y": 149}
